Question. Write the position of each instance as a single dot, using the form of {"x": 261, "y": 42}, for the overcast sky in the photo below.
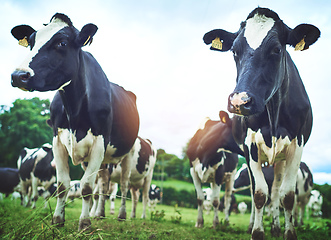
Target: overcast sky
{"x": 155, "y": 49}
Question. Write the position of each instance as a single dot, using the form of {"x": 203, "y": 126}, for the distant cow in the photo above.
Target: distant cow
{"x": 36, "y": 168}
{"x": 9, "y": 180}
{"x": 210, "y": 160}
{"x": 273, "y": 116}
{"x": 75, "y": 190}
{"x": 154, "y": 196}
{"x": 140, "y": 165}
{"x": 207, "y": 203}
{"x": 315, "y": 204}
{"x": 93, "y": 120}
{"x": 242, "y": 207}
{"x": 304, "y": 185}
{"x": 233, "y": 205}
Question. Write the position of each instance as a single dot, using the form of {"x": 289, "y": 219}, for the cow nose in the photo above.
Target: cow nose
{"x": 239, "y": 103}
{"x": 20, "y": 78}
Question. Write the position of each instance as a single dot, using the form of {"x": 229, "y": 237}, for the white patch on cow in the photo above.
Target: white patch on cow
{"x": 224, "y": 150}
{"x": 80, "y": 151}
{"x": 42, "y": 36}
{"x": 257, "y": 29}
{"x": 205, "y": 174}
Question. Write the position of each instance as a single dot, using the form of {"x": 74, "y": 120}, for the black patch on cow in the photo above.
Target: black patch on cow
{"x": 9, "y": 179}
{"x": 219, "y": 175}
{"x": 63, "y": 17}
{"x": 27, "y": 167}
{"x": 254, "y": 152}
{"x": 266, "y": 12}
{"x": 144, "y": 154}
{"x": 309, "y": 179}
{"x": 44, "y": 171}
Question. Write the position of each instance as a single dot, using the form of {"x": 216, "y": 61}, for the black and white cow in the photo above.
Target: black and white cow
{"x": 304, "y": 185}
{"x": 140, "y": 169}
{"x": 233, "y": 205}
{"x": 93, "y": 120}
{"x": 154, "y": 196}
{"x": 315, "y": 204}
{"x": 9, "y": 180}
{"x": 210, "y": 160}
{"x": 273, "y": 114}
{"x": 36, "y": 168}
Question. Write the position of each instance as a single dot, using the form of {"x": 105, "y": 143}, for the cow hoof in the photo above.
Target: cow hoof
{"x": 121, "y": 217}
{"x": 290, "y": 235}
{"x": 84, "y": 224}
{"x": 258, "y": 235}
{"x": 199, "y": 224}
{"x": 112, "y": 212}
{"x": 275, "y": 231}
{"x": 58, "y": 221}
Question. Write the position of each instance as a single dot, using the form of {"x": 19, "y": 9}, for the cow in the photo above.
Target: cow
{"x": 242, "y": 207}
{"x": 75, "y": 190}
{"x": 213, "y": 157}
{"x": 93, "y": 120}
{"x": 273, "y": 116}
{"x": 36, "y": 168}
{"x": 207, "y": 203}
{"x": 154, "y": 196}
{"x": 9, "y": 179}
{"x": 315, "y": 204}
{"x": 304, "y": 185}
{"x": 140, "y": 167}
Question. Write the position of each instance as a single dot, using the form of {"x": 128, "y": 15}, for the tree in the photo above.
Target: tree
{"x": 23, "y": 125}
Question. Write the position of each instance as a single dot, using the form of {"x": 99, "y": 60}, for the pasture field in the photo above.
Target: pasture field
{"x": 167, "y": 222}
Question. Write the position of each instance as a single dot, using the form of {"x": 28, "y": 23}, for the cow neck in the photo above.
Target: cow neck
{"x": 66, "y": 106}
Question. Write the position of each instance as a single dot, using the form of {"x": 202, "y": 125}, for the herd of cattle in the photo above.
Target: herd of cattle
{"x": 96, "y": 123}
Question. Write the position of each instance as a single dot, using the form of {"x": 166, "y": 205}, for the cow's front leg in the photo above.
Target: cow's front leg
{"x": 103, "y": 179}
{"x": 34, "y": 186}
{"x": 88, "y": 180}
{"x": 287, "y": 190}
{"x": 63, "y": 180}
{"x": 145, "y": 192}
{"x": 228, "y": 192}
{"x": 200, "y": 197}
{"x": 215, "y": 197}
{"x": 278, "y": 179}
{"x": 260, "y": 198}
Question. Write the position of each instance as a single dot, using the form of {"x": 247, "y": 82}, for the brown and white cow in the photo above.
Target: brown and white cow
{"x": 273, "y": 113}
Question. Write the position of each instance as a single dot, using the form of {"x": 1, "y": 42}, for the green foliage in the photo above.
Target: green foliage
{"x": 325, "y": 191}
{"x": 182, "y": 198}
{"x": 23, "y": 125}
{"x": 177, "y": 217}
{"x": 158, "y": 216}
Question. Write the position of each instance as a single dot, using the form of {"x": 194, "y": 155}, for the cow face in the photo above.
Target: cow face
{"x": 259, "y": 50}
{"x": 53, "y": 58}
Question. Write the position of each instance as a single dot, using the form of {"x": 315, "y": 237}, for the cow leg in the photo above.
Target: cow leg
{"x": 252, "y": 217}
{"x": 145, "y": 192}
{"x": 260, "y": 198}
{"x": 278, "y": 179}
{"x": 228, "y": 192}
{"x": 34, "y": 186}
{"x": 103, "y": 178}
{"x": 125, "y": 175}
{"x": 25, "y": 201}
{"x": 287, "y": 190}
{"x": 135, "y": 198}
{"x": 113, "y": 191}
{"x": 95, "y": 200}
{"x": 63, "y": 180}
{"x": 200, "y": 197}
{"x": 215, "y": 197}
{"x": 88, "y": 179}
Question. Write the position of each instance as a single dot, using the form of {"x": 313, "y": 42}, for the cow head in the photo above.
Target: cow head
{"x": 259, "y": 50}
{"x": 53, "y": 58}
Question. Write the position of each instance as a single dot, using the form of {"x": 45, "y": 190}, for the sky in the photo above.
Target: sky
{"x": 155, "y": 49}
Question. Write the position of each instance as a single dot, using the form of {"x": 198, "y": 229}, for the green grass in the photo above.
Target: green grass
{"x": 177, "y": 184}
{"x": 17, "y": 222}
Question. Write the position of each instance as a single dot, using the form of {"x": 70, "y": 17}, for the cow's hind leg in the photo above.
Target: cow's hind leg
{"x": 200, "y": 197}
{"x": 135, "y": 198}
{"x": 103, "y": 179}
{"x": 215, "y": 197}
{"x": 125, "y": 175}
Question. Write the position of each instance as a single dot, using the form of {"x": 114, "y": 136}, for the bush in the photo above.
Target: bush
{"x": 182, "y": 198}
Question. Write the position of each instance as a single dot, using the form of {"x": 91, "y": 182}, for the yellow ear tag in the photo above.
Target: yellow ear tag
{"x": 223, "y": 119}
{"x": 300, "y": 46}
{"x": 23, "y": 42}
{"x": 216, "y": 43}
{"x": 86, "y": 42}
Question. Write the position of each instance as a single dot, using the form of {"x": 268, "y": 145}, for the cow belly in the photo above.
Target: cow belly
{"x": 206, "y": 174}
{"x": 80, "y": 151}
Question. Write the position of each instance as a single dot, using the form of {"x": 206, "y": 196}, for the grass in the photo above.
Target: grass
{"x": 168, "y": 222}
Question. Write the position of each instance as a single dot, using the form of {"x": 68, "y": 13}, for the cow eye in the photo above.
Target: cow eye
{"x": 276, "y": 50}
{"x": 61, "y": 44}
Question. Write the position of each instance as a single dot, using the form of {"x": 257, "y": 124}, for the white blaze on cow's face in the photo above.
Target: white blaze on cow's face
{"x": 257, "y": 29}
{"x": 42, "y": 37}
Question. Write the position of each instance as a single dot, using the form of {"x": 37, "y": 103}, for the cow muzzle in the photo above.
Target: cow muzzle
{"x": 20, "y": 79}
{"x": 240, "y": 103}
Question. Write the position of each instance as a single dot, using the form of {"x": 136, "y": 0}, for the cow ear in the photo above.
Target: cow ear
{"x": 86, "y": 34}
{"x": 22, "y": 34}
{"x": 220, "y": 39}
{"x": 302, "y": 36}
{"x": 224, "y": 116}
